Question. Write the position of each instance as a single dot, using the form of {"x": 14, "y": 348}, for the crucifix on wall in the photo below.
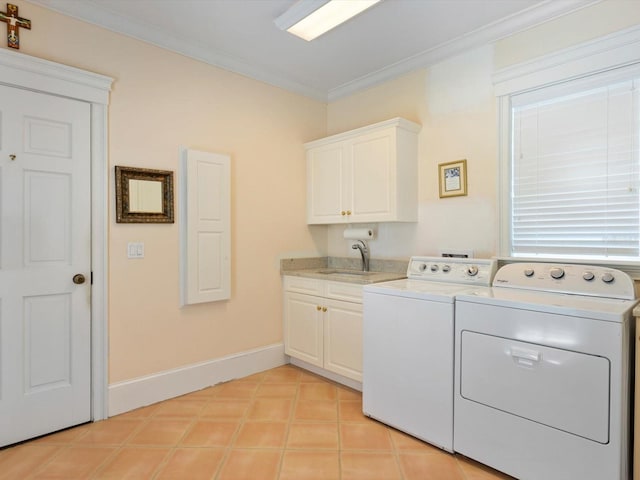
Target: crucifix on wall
{"x": 14, "y": 22}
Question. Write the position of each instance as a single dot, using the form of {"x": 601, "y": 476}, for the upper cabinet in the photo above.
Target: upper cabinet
{"x": 365, "y": 175}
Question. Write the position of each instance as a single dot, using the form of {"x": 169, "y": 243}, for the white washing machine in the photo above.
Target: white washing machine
{"x": 408, "y": 345}
{"x": 543, "y": 372}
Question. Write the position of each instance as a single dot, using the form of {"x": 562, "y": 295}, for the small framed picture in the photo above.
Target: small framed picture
{"x": 453, "y": 178}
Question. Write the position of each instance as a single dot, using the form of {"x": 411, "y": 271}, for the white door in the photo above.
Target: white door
{"x": 45, "y": 239}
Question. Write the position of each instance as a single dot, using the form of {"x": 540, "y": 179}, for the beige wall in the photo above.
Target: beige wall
{"x": 161, "y": 101}
{"x": 455, "y": 104}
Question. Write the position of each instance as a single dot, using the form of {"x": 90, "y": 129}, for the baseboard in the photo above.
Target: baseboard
{"x": 327, "y": 374}
{"x": 142, "y": 391}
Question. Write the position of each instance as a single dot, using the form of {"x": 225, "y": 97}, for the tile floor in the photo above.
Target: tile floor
{"x": 284, "y": 424}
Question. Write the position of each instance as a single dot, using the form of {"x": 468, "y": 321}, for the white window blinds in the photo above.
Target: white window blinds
{"x": 575, "y": 170}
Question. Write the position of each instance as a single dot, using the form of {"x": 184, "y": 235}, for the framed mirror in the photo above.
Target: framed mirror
{"x": 144, "y": 195}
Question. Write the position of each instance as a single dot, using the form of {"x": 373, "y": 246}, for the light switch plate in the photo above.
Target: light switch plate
{"x": 135, "y": 250}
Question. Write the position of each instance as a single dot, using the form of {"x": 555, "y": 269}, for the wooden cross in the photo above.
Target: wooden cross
{"x": 14, "y": 22}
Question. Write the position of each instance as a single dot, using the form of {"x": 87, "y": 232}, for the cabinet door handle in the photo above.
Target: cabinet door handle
{"x": 318, "y": 308}
{"x": 343, "y": 213}
{"x": 324, "y": 309}
{"x": 348, "y": 212}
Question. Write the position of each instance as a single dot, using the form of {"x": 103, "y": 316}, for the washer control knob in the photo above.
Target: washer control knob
{"x": 528, "y": 272}
{"x": 434, "y": 268}
{"x": 588, "y": 276}
{"x": 472, "y": 270}
{"x": 608, "y": 277}
{"x": 422, "y": 267}
{"x": 556, "y": 273}
{"x": 446, "y": 268}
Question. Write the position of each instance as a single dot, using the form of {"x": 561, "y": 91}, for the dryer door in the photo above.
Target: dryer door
{"x": 558, "y": 388}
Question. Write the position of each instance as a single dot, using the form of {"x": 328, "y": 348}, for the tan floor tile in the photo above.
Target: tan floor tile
{"x": 406, "y": 443}
{"x": 262, "y": 435}
{"x": 142, "y": 412}
{"x": 418, "y": 466}
{"x": 285, "y": 374}
{"x": 205, "y": 393}
{"x": 270, "y": 409}
{"x": 363, "y": 436}
{"x": 308, "y": 377}
{"x": 313, "y": 436}
{"x": 113, "y": 431}
{"x": 180, "y": 408}
{"x": 476, "y": 471}
{"x": 318, "y": 391}
{"x": 210, "y": 433}
{"x": 134, "y": 463}
{"x": 225, "y": 409}
{"x": 192, "y": 464}
{"x": 351, "y": 411}
{"x": 161, "y": 432}
{"x": 283, "y": 420}
{"x": 251, "y": 465}
{"x": 370, "y": 466}
{"x": 74, "y": 463}
{"x": 310, "y": 466}
{"x": 237, "y": 390}
{"x": 64, "y": 437}
{"x": 278, "y": 390}
{"x": 18, "y": 461}
{"x": 314, "y": 410}
{"x": 255, "y": 378}
{"x": 346, "y": 393}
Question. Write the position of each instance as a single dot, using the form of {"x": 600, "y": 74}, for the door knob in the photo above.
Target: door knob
{"x": 78, "y": 279}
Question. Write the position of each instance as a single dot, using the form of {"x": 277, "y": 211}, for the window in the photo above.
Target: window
{"x": 575, "y": 186}
{"x": 569, "y": 174}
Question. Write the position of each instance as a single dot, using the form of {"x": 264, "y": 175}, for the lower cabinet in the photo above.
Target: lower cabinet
{"x": 322, "y": 330}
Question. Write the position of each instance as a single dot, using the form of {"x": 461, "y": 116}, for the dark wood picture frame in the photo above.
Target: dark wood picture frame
{"x": 124, "y": 211}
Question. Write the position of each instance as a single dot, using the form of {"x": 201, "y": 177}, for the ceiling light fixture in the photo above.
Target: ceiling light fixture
{"x": 309, "y": 19}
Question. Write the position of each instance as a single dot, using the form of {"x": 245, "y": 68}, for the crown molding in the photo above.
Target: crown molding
{"x": 93, "y": 12}
{"x": 493, "y": 32}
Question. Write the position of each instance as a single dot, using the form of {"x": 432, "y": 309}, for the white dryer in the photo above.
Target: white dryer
{"x": 408, "y": 345}
{"x": 543, "y": 372}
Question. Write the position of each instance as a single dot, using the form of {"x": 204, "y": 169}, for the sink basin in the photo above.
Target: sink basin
{"x": 358, "y": 273}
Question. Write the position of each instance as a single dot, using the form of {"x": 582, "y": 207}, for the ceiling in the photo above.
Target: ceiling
{"x": 390, "y": 39}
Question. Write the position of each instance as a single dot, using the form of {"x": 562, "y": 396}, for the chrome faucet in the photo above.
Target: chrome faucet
{"x": 364, "y": 253}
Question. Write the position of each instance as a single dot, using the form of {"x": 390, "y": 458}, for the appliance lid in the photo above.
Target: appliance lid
{"x": 420, "y": 289}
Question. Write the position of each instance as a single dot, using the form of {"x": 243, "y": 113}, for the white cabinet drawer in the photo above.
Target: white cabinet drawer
{"x": 348, "y": 292}
{"x": 308, "y": 286}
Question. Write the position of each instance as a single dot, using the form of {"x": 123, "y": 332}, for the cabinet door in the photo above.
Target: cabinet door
{"x": 372, "y": 195}
{"x": 325, "y": 180}
{"x": 343, "y": 339}
{"x": 303, "y": 328}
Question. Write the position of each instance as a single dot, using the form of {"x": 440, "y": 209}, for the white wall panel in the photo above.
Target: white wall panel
{"x": 205, "y": 227}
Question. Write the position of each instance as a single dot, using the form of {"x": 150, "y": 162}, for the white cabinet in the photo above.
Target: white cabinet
{"x": 365, "y": 175}
{"x": 323, "y": 324}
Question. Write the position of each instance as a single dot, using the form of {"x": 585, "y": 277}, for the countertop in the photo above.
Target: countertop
{"x": 346, "y": 270}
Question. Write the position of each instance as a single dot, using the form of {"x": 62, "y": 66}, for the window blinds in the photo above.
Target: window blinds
{"x": 575, "y": 171}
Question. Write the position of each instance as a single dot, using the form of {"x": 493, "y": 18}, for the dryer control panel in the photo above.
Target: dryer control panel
{"x": 588, "y": 280}
{"x": 471, "y": 271}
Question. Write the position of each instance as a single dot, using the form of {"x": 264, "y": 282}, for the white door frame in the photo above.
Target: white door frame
{"x": 31, "y": 73}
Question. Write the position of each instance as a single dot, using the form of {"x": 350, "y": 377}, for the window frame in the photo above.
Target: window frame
{"x": 617, "y": 51}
